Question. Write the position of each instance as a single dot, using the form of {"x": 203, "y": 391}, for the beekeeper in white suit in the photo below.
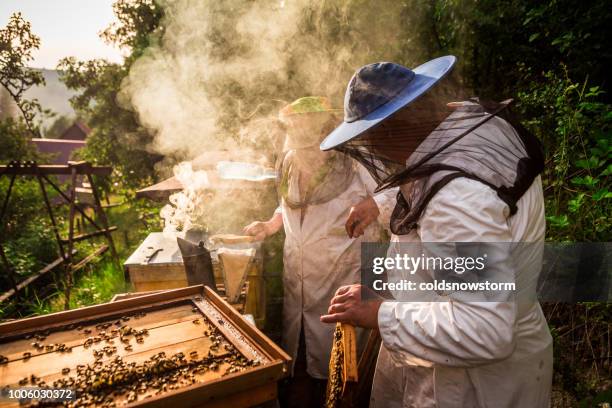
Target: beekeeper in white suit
{"x": 465, "y": 176}
{"x": 319, "y": 192}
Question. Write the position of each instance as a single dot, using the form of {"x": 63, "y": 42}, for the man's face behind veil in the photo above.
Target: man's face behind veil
{"x": 398, "y": 136}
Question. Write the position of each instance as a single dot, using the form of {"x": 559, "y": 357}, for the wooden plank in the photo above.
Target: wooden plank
{"x": 158, "y": 286}
{"x": 55, "y": 169}
{"x": 129, "y": 295}
{"x": 267, "y": 345}
{"x": 14, "y": 328}
{"x": 367, "y": 365}
{"x": 250, "y": 398}
{"x": 88, "y": 235}
{"x": 349, "y": 345}
{"x": 10, "y": 293}
{"x": 217, "y": 390}
{"x": 99, "y": 251}
{"x": 158, "y": 274}
{"x": 139, "y": 357}
{"x": 183, "y": 336}
{"x": 74, "y": 337}
{"x": 220, "y": 289}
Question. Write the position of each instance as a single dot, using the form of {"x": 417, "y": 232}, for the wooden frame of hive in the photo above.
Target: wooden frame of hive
{"x": 343, "y": 368}
{"x": 253, "y": 385}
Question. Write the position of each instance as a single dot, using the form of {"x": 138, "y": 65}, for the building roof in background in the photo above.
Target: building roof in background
{"x": 60, "y": 150}
{"x": 78, "y": 131}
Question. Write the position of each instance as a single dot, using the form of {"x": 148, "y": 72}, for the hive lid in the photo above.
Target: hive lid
{"x": 157, "y": 249}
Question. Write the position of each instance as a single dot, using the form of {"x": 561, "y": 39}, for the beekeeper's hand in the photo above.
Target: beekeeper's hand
{"x": 350, "y": 305}
{"x": 256, "y": 229}
{"x": 360, "y": 216}
{"x": 262, "y": 229}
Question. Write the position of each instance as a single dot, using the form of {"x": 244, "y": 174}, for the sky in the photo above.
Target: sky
{"x": 66, "y": 28}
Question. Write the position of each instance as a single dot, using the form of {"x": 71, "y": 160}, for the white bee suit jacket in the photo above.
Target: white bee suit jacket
{"x": 481, "y": 354}
{"x": 318, "y": 259}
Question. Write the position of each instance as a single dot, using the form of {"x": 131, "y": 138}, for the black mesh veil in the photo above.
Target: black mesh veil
{"x": 306, "y": 175}
{"x": 478, "y": 140}
{"x": 327, "y": 180}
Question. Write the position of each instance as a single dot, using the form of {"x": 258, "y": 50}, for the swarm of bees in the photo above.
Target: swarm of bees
{"x": 110, "y": 377}
{"x": 334, "y": 383}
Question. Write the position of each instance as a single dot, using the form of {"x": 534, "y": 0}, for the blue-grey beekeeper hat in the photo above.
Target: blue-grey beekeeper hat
{"x": 378, "y": 90}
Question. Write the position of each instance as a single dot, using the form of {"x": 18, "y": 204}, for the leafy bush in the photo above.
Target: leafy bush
{"x": 575, "y": 128}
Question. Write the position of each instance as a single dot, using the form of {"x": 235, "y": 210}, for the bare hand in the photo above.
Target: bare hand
{"x": 257, "y": 229}
{"x": 347, "y": 306}
{"x": 360, "y": 216}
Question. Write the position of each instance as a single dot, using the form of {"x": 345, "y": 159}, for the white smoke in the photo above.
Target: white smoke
{"x": 187, "y": 208}
{"x": 223, "y": 69}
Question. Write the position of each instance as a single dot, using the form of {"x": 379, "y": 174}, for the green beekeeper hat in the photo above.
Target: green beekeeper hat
{"x": 307, "y": 104}
{"x": 313, "y": 113}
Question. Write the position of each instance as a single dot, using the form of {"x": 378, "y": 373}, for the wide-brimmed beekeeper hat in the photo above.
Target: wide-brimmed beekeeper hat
{"x": 377, "y": 91}
{"x": 311, "y": 114}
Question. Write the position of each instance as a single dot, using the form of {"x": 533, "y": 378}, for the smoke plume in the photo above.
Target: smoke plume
{"x": 222, "y": 69}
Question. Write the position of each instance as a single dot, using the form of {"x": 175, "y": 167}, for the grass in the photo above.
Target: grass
{"x": 99, "y": 284}
{"x": 101, "y": 279}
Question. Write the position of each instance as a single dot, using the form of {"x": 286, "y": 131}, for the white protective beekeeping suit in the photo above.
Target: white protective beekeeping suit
{"x": 456, "y": 354}
{"x": 318, "y": 259}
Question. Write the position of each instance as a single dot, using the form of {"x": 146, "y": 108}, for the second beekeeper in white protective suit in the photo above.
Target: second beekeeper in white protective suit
{"x": 468, "y": 178}
{"x": 319, "y": 191}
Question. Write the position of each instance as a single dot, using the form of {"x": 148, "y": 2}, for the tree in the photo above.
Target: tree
{"x": 16, "y": 45}
{"x": 117, "y": 138}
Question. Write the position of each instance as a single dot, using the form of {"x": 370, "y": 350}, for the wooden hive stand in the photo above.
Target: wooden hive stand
{"x": 67, "y": 252}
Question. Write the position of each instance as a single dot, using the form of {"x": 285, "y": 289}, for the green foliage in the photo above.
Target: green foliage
{"x": 33, "y": 247}
{"x": 117, "y": 138}
{"x": 14, "y": 142}
{"x": 97, "y": 285}
{"x": 575, "y": 128}
{"x": 25, "y": 231}
{"x": 494, "y": 39}
{"x": 552, "y": 57}
{"x": 580, "y": 334}
{"x": 17, "y": 42}
{"x": 138, "y": 24}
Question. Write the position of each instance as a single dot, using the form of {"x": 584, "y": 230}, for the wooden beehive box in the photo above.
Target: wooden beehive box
{"x": 157, "y": 264}
{"x": 210, "y": 356}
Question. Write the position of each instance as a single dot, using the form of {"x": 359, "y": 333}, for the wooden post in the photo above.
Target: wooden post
{"x": 8, "y": 196}
{"x": 58, "y": 238}
{"x": 9, "y": 268}
{"x": 68, "y": 280}
{"x": 79, "y": 209}
{"x": 102, "y": 217}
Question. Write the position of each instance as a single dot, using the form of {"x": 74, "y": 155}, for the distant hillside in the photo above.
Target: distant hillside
{"x": 54, "y": 95}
